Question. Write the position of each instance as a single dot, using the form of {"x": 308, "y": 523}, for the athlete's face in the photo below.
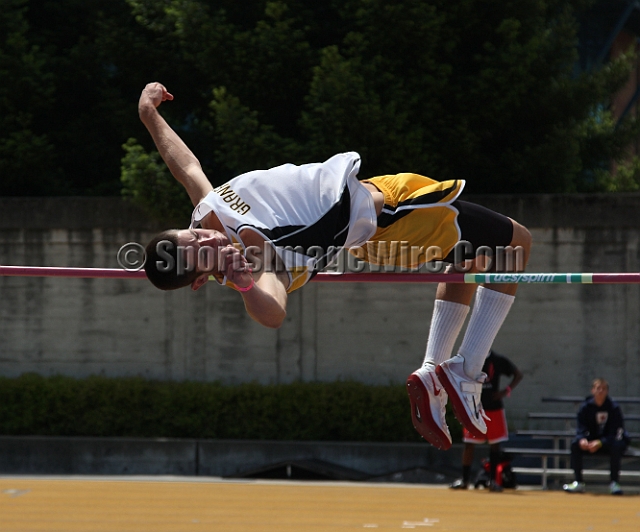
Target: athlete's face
{"x": 202, "y": 243}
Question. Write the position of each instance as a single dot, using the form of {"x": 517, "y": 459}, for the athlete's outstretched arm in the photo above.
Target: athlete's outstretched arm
{"x": 181, "y": 161}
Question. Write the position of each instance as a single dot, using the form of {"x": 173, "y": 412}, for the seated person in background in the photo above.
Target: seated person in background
{"x": 494, "y": 366}
{"x": 600, "y": 430}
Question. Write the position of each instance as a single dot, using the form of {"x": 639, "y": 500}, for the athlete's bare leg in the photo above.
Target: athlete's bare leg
{"x": 463, "y": 293}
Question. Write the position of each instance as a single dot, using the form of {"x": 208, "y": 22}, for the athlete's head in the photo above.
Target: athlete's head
{"x": 182, "y": 257}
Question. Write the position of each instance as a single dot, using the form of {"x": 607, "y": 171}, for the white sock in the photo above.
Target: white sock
{"x": 489, "y": 312}
{"x": 446, "y": 322}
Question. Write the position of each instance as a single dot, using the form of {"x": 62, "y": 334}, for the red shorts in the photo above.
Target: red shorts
{"x": 496, "y": 429}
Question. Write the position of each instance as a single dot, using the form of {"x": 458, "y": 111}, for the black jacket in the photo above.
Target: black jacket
{"x": 603, "y": 423}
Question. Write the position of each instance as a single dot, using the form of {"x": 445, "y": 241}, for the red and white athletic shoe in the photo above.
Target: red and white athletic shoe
{"x": 428, "y": 401}
{"x": 465, "y": 395}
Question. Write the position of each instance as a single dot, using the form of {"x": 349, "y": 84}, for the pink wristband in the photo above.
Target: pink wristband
{"x": 508, "y": 390}
{"x": 246, "y": 288}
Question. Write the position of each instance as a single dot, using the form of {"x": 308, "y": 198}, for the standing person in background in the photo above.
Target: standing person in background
{"x": 494, "y": 366}
{"x": 600, "y": 429}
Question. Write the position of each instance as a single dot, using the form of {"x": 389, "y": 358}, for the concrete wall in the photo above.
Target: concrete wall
{"x": 406, "y": 462}
{"x": 561, "y": 336}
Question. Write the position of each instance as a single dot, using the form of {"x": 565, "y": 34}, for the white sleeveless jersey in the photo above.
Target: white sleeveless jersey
{"x": 306, "y": 212}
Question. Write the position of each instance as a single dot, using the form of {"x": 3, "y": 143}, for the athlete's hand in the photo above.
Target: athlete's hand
{"x": 153, "y": 95}
{"x": 235, "y": 266}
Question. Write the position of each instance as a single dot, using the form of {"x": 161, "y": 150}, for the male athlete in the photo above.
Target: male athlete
{"x": 293, "y": 218}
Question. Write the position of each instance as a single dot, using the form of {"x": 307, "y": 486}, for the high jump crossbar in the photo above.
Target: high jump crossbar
{"x": 371, "y": 277}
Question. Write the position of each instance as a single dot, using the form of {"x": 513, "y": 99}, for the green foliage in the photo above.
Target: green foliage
{"x": 246, "y": 144}
{"x": 147, "y": 181}
{"x": 98, "y": 406}
{"x": 626, "y": 177}
{"x": 25, "y": 152}
{"x": 484, "y": 90}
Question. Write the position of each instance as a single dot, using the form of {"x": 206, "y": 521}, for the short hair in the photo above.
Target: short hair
{"x": 171, "y": 277}
{"x": 600, "y": 380}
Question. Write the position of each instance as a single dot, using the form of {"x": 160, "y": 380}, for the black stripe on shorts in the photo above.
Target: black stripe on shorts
{"x": 481, "y": 227}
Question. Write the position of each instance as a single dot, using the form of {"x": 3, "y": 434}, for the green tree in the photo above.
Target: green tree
{"x": 147, "y": 181}
{"x": 484, "y": 90}
{"x": 74, "y": 69}
{"x": 96, "y": 53}
{"x": 26, "y": 153}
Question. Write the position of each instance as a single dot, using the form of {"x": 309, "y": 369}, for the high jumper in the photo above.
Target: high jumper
{"x": 293, "y": 219}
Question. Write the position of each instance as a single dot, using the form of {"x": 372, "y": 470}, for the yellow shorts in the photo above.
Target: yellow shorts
{"x": 417, "y": 215}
